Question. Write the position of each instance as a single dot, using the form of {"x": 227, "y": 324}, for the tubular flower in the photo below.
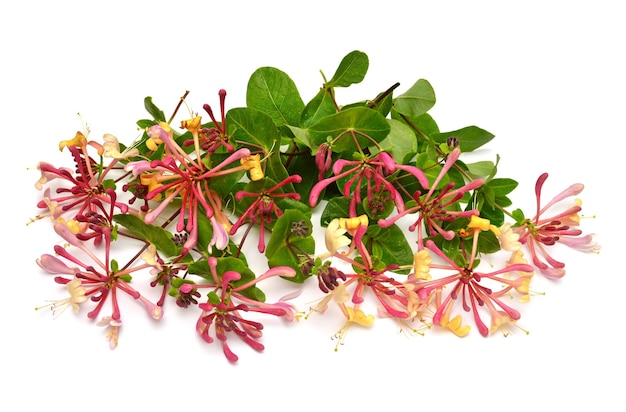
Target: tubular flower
{"x": 212, "y": 138}
{"x": 77, "y": 296}
{"x": 469, "y": 286}
{"x": 391, "y": 294}
{"x": 373, "y": 173}
{"x": 179, "y": 176}
{"x": 252, "y": 164}
{"x": 353, "y": 316}
{"x": 264, "y": 208}
{"x": 509, "y": 240}
{"x": 335, "y": 237}
{"x": 434, "y": 209}
{"x": 544, "y": 231}
{"x": 225, "y": 304}
{"x": 421, "y": 265}
{"x": 95, "y": 280}
{"x": 86, "y": 187}
{"x": 111, "y": 148}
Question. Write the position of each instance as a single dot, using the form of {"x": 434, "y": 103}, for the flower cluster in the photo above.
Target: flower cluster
{"x": 407, "y": 221}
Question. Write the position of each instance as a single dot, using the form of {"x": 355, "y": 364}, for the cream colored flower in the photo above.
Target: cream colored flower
{"x": 335, "y": 237}
{"x": 149, "y": 256}
{"x": 112, "y": 148}
{"x": 509, "y": 240}
{"x": 77, "y": 296}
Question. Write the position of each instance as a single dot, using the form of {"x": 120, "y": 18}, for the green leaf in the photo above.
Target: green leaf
{"x": 153, "y": 109}
{"x": 470, "y": 138}
{"x": 480, "y": 169}
{"x": 502, "y": 186}
{"x": 159, "y": 237}
{"x": 281, "y": 253}
{"x": 391, "y": 246}
{"x": 417, "y": 100}
{"x": 358, "y": 122}
{"x": 518, "y": 215}
{"x": 401, "y": 142}
{"x": 321, "y": 105}
{"x": 252, "y": 126}
{"x": 351, "y": 70}
{"x": 273, "y": 92}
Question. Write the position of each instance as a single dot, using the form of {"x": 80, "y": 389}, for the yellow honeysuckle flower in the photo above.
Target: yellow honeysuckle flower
{"x": 351, "y": 224}
{"x": 353, "y": 316}
{"x": 74, "y": 226}
{"x": 455, "y": 325}
{"x": 193, "y": 125}
{"x": 78, "y": 141}
{"x": 421, "y": 264}
{"x": 252, "y": 163}
{"x": 482, "y": 224}
{"x": 359, "y": 317}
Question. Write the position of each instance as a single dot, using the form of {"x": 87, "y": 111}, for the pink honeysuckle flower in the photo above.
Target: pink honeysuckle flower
{"x": 179, "y": 176}
{"x": 433, "y": 210}
{"x": 86, "y": 186}
{"x": 471, "y": 286}
{"x": 212, "y": 138}
{"x": 541, "y": 231}
{"x": 94, "y": 279}
{"x": 223, "y": 310}
{"x": 390, "y": 293}
{"x": 264, "y": 208}
{"x": 373, "y": 172}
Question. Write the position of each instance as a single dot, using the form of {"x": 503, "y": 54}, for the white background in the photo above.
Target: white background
{"x": 547, "y": 78}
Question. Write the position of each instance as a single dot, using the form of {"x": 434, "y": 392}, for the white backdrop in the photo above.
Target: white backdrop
{"x": 547, "y": 78}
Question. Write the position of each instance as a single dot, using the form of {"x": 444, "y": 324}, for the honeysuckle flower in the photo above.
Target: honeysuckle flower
{"x": 77, "y": 141}
{"x": 252, "y": 164}
{"x": 111, "y": 148}
{"x": 77, "y": 296}
{"x": 264, "y": 209}
{"x": 86, "y": 186}
{"x": 509, "y": 240}
{"x": 353, "y": 316}
{"x": 222, "y": 310}
{"x": 178, "y": 176}
{"x": 455, "y": 325}
{"x": 150, "y": 257}
{"x": 212, "y": 138}
{"x": 372, "y": 172}
{"x": 338, "y": 294}
{"x": 114, "y": 333}
{"x": 469, "y": 285}
{"x": 390, "y": 293}
{"x": 434, "y": 210}
{"x": 92, "y": 278}
{"x": 421, "y": 265}
{"x": 335, "y": 237}
{"x": 541, "y": 231}
{"x": 523, "y": 287}
{"x": 323, "y": 160}
{"x": 482, "y": 224}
